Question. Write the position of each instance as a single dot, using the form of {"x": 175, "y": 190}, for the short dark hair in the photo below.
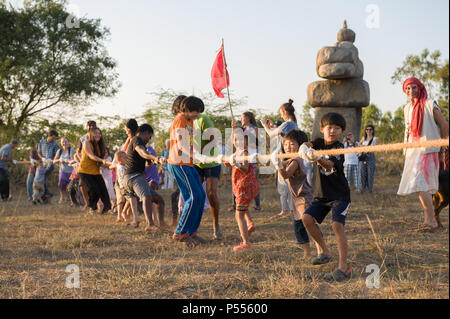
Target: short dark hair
{"x": 176, "y": 104}
{"x": 296, "y": 135}
{"x": 53, "y": 133}
{"x": 145, "y": 128}
{"x": 333, "y": 118}
{"x": 91, "y": 123}
{"x": 192, "y": 104}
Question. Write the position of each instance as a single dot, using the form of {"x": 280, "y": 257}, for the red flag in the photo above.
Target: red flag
{"x": 218, "y": 74}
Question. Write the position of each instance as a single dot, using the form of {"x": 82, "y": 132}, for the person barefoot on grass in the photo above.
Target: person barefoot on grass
{"x": 245, "y": 188}
{"x": 134, "y": 178}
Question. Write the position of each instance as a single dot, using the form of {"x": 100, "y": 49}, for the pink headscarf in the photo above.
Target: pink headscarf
{"x": 418, "y": 106}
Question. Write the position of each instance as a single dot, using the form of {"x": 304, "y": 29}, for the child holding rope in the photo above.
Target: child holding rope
{"x": 331, "y": 192}
{"x": 294, "y": 171}
{"x": 180, "y": 165}
{"x": 245, "y": 188}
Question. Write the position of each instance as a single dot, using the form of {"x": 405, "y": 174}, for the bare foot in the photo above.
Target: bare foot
{"x": 136, "y": 225}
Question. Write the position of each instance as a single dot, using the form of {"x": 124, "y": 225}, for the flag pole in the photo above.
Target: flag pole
{"x": 226, "y": 79}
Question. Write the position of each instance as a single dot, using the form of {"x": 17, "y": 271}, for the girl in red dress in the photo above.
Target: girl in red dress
{"x": 245, "y": 189}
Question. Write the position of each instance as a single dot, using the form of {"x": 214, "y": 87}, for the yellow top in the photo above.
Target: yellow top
{"x": 87, "y": 165}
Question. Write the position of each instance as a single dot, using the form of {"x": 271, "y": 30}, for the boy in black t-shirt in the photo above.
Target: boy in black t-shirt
{"x": 331, "y": 192}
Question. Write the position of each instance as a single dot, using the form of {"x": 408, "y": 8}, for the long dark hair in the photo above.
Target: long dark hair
{"x": 365, "y": 133}
{"x": 290, "y": 110}
{"x": 251, "y": 117}
{"x": 101, "y": 143}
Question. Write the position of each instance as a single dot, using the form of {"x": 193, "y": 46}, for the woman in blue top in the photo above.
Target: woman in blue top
{"x": 287, "y": 112}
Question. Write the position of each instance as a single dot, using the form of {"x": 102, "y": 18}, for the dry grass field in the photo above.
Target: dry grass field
{"x": 117, "y": 261}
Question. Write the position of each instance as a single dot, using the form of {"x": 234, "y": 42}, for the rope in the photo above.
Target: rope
{"x": 360, "y": 149}
{"x": 336, "y": 151}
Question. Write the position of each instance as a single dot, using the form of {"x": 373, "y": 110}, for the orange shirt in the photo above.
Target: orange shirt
{"x": 87, "y": 165}
{"x": 181, "y": 126}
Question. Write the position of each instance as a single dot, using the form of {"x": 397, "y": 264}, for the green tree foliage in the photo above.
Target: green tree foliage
{"x": 307, "y": 119}
{"x": 389, "y": 128}
{"x": 433, "y": 73}
{"x": 370, "y": 115}
{"x": 112, "y": 130}
{"x": 159, "y": 115}
{"x": 46, "y": 62}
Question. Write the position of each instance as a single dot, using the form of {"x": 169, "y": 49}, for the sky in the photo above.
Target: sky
{"x": 270, "y": 46}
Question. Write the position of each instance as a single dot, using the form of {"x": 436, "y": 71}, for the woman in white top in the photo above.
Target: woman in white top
{"x": 287, "y": 113}
{"x": 367, "y": 167}
{"x": 423, "y": 121}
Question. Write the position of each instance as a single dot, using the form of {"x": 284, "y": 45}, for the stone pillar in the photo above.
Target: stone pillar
{"x": 344, "y": 91}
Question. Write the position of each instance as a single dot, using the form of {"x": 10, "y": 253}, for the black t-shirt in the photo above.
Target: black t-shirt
{"x": 135, "y": 163}
{"x": 327, "y": 185}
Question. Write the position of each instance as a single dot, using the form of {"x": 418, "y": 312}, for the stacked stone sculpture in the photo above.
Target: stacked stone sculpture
{"x": 344, "y": 91}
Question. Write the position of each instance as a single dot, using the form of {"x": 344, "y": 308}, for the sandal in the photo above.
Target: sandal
{"x": 339, "y": 275}
{"x": 321, "y": 259}
{"x": 242, "y": 246}
{"x": 218, "y": 235}
{"x": 251, "y": 228}
{"x": 257, "y": 209}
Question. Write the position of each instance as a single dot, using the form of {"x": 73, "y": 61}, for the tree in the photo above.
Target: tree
{"x": 370, "y": 115}
{"x": 159, "y": 115}
{"x": 433, "y": 73}
{"x": 46, "y": 62}
{"x": 307, "y": 122}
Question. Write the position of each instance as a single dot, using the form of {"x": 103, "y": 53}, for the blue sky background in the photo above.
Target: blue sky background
{"x": 271, "y": 46}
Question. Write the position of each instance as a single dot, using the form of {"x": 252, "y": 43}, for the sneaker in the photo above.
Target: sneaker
{"x": 338, "y": 275}
{"x": 242, "y": 246}
{"x": 321, "y": 259}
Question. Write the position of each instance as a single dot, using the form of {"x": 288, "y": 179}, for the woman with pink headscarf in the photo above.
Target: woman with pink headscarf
{"x": 423, "y": 121}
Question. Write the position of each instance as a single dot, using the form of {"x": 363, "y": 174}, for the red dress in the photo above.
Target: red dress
{"x": 245, "y": 186}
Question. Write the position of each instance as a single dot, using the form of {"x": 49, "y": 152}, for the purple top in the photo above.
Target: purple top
{"x": 151, "y": 171}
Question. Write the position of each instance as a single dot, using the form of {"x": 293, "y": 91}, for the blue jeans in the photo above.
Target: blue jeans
{"x": 30, "y": 179}
{"x": 48, "y": 172}
{"x": 366, "y": 173}
{"x": 194, "y": 196}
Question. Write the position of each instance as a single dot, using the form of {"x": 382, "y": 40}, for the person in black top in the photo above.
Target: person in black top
{"x": 134, "y": 178}
{"x": 331, "y": 192}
